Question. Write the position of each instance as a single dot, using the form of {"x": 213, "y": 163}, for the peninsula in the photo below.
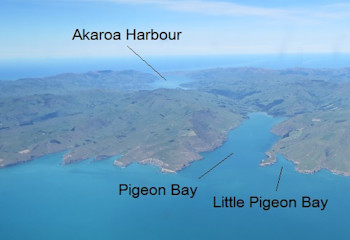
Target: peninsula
{"x": 103, "y": 114}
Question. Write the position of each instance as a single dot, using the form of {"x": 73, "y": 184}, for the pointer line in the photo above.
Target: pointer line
{"x": 215, "y": 165}
{"x": 279, "y": 178}
{"x": 146, "y": 63}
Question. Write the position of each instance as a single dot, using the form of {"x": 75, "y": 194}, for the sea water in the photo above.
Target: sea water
{"x": 18, "y": 68}
{"x": 43, "y": 199}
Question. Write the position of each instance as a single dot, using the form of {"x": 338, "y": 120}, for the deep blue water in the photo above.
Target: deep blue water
{"x": 45, "y": 200}
{"x": 24, "y": 68}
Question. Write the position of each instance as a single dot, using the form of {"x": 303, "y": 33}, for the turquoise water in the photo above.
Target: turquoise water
{"x": 44, "y": 200}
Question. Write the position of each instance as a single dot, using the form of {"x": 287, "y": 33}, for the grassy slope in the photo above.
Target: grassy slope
{"x": 164, "y": 127}
{"x": 170, "y": 127}
{"x": 72, "y": 82}
{"x": 315, "y": 141}
{"x": 317, "y": 102}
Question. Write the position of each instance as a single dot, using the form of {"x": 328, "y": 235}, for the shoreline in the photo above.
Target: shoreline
{"x": 274, "y": 160}
{"x": 148, "y": 161}
{"x": 164, "y": 167}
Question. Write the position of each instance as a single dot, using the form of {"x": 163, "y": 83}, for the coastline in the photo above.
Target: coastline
{"x": 196, "y": 156}
{"x": 273, "y": 156}
{"x": 164, "y": 167}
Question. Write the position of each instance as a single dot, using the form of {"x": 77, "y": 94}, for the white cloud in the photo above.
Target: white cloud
{"x": 222, "y": 8}
{"x": 206, "y": 7}
{"x": 317, "y": 29}
{"x": 225, "y": 8}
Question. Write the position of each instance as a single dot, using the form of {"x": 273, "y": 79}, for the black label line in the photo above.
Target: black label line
{"x": 279, "y": 178}
{"x": 215, "y": 165}
{"x": 146, "y": 63}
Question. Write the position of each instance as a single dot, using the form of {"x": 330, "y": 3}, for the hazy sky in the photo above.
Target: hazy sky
{"x": 44, "y": 28}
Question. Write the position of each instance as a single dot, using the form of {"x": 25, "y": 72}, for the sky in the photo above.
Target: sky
{"x": 44, "y": 28}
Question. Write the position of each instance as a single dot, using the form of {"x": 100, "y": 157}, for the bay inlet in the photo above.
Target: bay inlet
{"x": 43, "y": 199}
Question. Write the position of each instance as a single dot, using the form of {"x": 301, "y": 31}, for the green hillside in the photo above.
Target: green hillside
{"x": 104, "y": 114}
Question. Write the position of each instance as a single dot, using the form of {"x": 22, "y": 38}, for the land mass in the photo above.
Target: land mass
{"x": 106, "y": 114}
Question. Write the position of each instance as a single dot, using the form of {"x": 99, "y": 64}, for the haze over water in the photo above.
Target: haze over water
{"x": 45, "y": 200}
{"x": 15, "y": 69}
